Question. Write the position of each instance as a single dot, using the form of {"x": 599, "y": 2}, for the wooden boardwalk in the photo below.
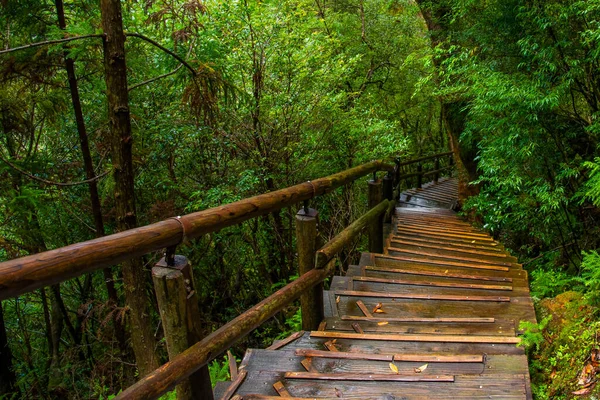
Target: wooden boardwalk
{"x": 434, "y": 317}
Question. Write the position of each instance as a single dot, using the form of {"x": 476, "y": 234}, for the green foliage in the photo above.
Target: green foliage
{"x": 532, "y": 337}
{"x": 219, "y": 371}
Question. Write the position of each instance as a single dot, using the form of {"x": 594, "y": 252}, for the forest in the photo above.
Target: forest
{"x": 213, "y": 101}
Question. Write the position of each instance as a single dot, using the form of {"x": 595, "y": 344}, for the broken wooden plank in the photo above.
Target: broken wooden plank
{"x": 235, "y": 384}
{"x": 363, "y": 308}
{"x": 233, "y": 369}
{"x": 369, "y": 377}
{"x": 307, "y": 364}
{"x": 447, "y": 297}
{"x": 418, "y": 338}
{"x": 357, "y": 328}
{"x": 330, "y": 345}
{"x": 281, "y": 390}
{"x": 280, "y": 343}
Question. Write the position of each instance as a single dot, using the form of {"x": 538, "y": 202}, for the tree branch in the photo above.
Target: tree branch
{"x": 47, "y": 182}
{"x": 155, "y": 78}
{"x": 49, "y": 42}
{"x": 171, "y": 53}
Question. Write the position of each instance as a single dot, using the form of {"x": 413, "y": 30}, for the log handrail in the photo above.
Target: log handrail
{"x": 195, "y": 357}
{"x": 425, "y": 158}
{"x": 32, "y": 272}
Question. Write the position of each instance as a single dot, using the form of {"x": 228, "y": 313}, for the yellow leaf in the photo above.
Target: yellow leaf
{"x": 337, "y": 300}
{"x": 394, "y": 368}
{"x": 382, "y": 323}
{"x": 379, "y": 310}
{"x": 421, "y": 368}
{"x": 473, "y": 241}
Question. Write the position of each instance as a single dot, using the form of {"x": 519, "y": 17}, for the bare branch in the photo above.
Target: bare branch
{"x": 171, "y": 53}
{"x": 155, "y": 78}
{"x": 50, "y": 42}
{"x": 47, "y": 182}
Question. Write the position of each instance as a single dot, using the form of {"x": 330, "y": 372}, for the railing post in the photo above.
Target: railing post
{"x": 180, "y": 315}
{"x": 311, "y": 302}
{"x": 419, "y": 176}
{"x": 376, "y": 228}
{"x": 436, "y": 167}
{"x": 388, "y": 191}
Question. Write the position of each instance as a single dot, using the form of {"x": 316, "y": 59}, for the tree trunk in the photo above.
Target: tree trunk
{"x": 92, "y": 186}
{"x": 121, "y": 141}
{"x": 453, "y": 111}
{"x": 7, "y": 383}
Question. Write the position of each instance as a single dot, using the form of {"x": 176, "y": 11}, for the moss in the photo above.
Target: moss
{"x": 568, "y": 339}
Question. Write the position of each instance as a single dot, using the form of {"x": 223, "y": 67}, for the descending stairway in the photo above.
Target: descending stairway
{"x": 434, "y": 317}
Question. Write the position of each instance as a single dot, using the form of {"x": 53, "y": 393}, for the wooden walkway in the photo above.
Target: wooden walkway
{"x": 434, "y": 317}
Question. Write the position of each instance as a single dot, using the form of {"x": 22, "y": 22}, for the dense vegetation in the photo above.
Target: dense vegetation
{"x": 233, "y": 98}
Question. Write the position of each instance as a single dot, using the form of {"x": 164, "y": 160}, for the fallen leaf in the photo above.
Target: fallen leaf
{"x": 587, "y": 375}
{"x": 582, "y": 391}
{"x": 377, "y": 307}
{"x": 473, "y": 241}
{"x": 379, "y": 311}
{"x": 421, "y": 368}
{"x": 337, "y": 300}
{"x": 382, "y": 323}
{"x": 394, "y": 368}
{"x": 338, "y": 393}
{"x": 446, "y": 271}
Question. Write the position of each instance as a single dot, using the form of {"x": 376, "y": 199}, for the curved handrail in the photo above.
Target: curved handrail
{"x": 32, "y": 272}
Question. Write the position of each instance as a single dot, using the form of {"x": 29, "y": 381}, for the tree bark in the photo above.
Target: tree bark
{"x": 92, "y": 185}
{"x": 121, "y": 141}
{"x": 453, "y": 111}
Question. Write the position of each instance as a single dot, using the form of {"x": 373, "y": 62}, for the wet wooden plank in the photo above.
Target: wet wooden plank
{"x": 443, "y": 262}
{"x": 417, "y": 338}
{"x": 505, "y": 387}
{"x": 435, "y": 320}
{"x": 432, "y": 358}
{"x": 490, "y": 253}
{"x": 455, "y": 256}
{"x": 518, "y": 309}
{"x": 369, "y": 377}
{"x": 383, "y": 326}
{"x": 438, "y": 274}
{"x": 433, "y": 284}
{"x": 421, "y": 296}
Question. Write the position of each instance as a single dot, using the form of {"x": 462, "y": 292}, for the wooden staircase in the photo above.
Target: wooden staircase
{"x": 436, "y": 316}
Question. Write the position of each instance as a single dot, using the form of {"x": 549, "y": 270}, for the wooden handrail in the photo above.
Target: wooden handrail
{"x": 425, "y": 158}
{"x": 183, "y": 365}
{"x": 336, "y": 244}
{"x": 28, "y": 273}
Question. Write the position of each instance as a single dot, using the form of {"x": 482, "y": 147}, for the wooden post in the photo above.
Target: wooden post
{"x": 436, "y": 176}
{"x": 419, "y": 176}
{"x": 311, "y": 301}
{"x": 376, "y": 228}
{"x": 180, "y": 315}
{"x": 388, "y": 191}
